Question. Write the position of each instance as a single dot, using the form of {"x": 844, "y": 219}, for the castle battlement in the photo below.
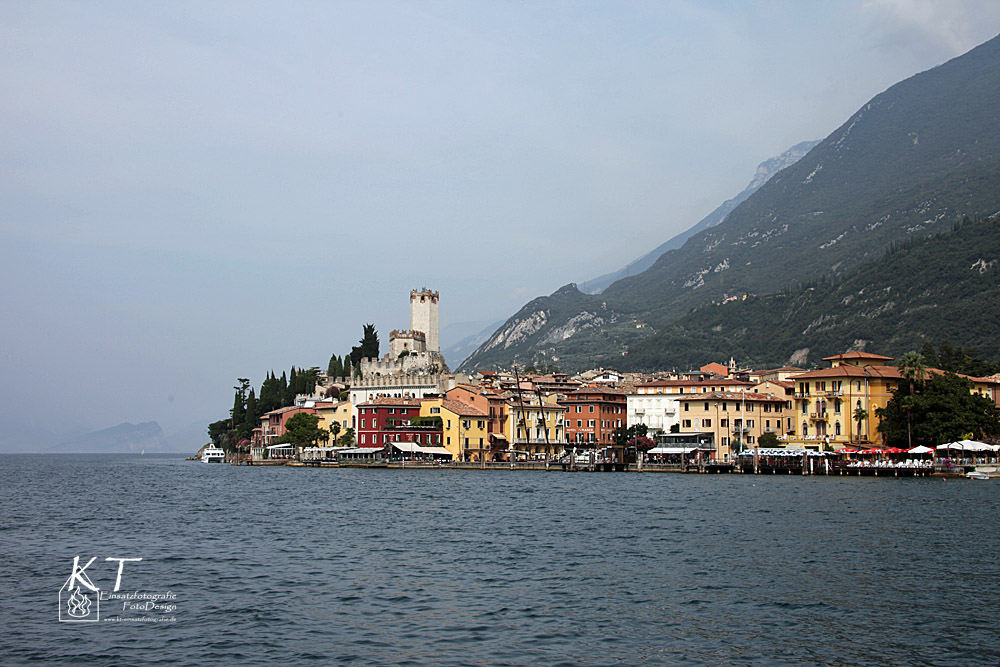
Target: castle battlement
{"x": 416, "y": 335}
{"x": 424, "y": 294}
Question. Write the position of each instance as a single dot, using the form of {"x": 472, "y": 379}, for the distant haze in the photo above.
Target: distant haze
{"x": 195, "y": 192}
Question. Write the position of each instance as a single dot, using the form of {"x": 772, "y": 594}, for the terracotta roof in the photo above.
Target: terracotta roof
{"x": 992, "y": 379}
{"x": 390, "y": 401}
{"x": 693, "y": 383}
{"x": 594, "y": 390}
{"x": 463, "y": 409}
{"x": 284, "y": 410}
{"x": 783, "y": 368}
{"x": 787, "y": 384}
{"x": 857, "y": 355}
{"x": 847, "y": 370}
{"x": 734, "y": 396}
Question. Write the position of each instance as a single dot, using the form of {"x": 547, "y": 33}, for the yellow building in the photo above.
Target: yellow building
{"x": 736, "y": 420}
{"x": 463, "y": 427}
{"x": 330, "y": 412}
{"x": 829, "y": 401}
{"x": 536, "y": 425}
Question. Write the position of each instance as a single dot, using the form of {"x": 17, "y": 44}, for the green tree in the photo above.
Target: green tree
{"x": 302, "y": 430}
{"x": 238, "y": 413}
{"x": 944, "y": 409}
{"x": 768, "y": 441}
{"x": 253, "y": 416}
{"x": 347, "y": 439}
{"x": 912, "y": 367}
{"x": 335, "y": 369}
{"x": 367, "y": 348}
{"x": 271, "y": 394}
{"x": 218, "y": 432}
{"x": 929, "y": 354}
{"x": 290, "y": 387}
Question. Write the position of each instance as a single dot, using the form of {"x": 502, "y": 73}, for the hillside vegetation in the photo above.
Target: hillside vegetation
{"x": 910, "y": 165}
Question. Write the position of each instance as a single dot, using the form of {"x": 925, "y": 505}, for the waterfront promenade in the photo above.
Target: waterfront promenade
{"x": 745, "y": 465}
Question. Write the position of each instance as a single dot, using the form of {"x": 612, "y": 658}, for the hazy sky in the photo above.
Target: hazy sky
{"x": 196, "y": 191}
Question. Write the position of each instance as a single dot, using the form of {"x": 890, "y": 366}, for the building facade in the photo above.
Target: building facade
{"x": 463, "y": 427}
{"x": 736, "y": 419}
{"x": 386, "y": 420}
{"x": 592, "y": 414}
{"x": 836, "y": 406}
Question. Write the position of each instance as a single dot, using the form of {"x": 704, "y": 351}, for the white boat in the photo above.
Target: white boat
{"x": 975, "y": 474}
{"x": 213, "y": 454}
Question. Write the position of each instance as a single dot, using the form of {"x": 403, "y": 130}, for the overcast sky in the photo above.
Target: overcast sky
{"x": 191, "y": 192}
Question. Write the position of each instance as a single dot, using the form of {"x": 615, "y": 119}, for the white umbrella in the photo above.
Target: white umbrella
{"x": 921, "y": 449}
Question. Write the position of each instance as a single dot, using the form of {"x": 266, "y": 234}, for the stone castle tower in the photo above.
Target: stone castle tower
{"x": 414, "y": 366}
{"x": 424, "y": 316}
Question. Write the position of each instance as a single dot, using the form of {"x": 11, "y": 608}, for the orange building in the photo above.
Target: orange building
{"x": 592, "y": 414}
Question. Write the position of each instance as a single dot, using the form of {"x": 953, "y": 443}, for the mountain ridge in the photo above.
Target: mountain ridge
{"x": 912, "y": 161}
{"x": 765, "y": 170}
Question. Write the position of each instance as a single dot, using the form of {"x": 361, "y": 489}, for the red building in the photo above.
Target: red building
{"x": 592, "y": 413}
{"x": 387, "y": 419}
{"x": 272, "y": 424}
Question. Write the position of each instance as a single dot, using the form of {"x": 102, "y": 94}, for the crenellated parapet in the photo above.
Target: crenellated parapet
{"x": 407, "y": 333}
{"x": 424, "y": 295}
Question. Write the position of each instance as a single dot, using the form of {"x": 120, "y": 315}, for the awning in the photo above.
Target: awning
{"x": 498, "y": 436}
{"x": 284, "y": 446}
{"x": 781, "y": 452}
{"x": 414, "y": 448}
{"x": 672, "y": 450}
{"x": 969, "y": 446}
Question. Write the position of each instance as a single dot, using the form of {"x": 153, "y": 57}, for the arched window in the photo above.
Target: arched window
{"x": 836, "y": 428}
{"x": 805, "y": 429}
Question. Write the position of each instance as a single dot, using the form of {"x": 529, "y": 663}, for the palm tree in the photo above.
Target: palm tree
{"x": 913, "y": 367}
{"x": 334, "y": 430}
{"x": 860, "y": 414}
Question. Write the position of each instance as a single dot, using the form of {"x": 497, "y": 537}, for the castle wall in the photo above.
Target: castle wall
{"x": 411, "y": 341}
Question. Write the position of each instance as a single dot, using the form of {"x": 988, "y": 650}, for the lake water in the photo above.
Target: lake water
{"x": 444, "y": 567}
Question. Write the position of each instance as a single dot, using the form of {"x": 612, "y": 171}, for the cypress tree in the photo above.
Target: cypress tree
{"x": 252, "y": 416}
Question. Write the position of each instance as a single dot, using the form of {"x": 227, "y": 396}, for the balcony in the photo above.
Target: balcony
{"x": 819, "y": 416}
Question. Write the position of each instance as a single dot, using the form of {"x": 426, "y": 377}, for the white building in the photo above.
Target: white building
{"x": 657, "y": 411}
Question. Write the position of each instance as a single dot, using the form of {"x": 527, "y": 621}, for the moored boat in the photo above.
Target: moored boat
{"x": 212, "y": 454}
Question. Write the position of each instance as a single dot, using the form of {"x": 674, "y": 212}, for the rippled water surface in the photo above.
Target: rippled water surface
{"x": 445, "y": 567}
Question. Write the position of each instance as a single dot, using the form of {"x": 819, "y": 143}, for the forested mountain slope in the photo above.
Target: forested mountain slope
{"x": 912, "y": 162}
